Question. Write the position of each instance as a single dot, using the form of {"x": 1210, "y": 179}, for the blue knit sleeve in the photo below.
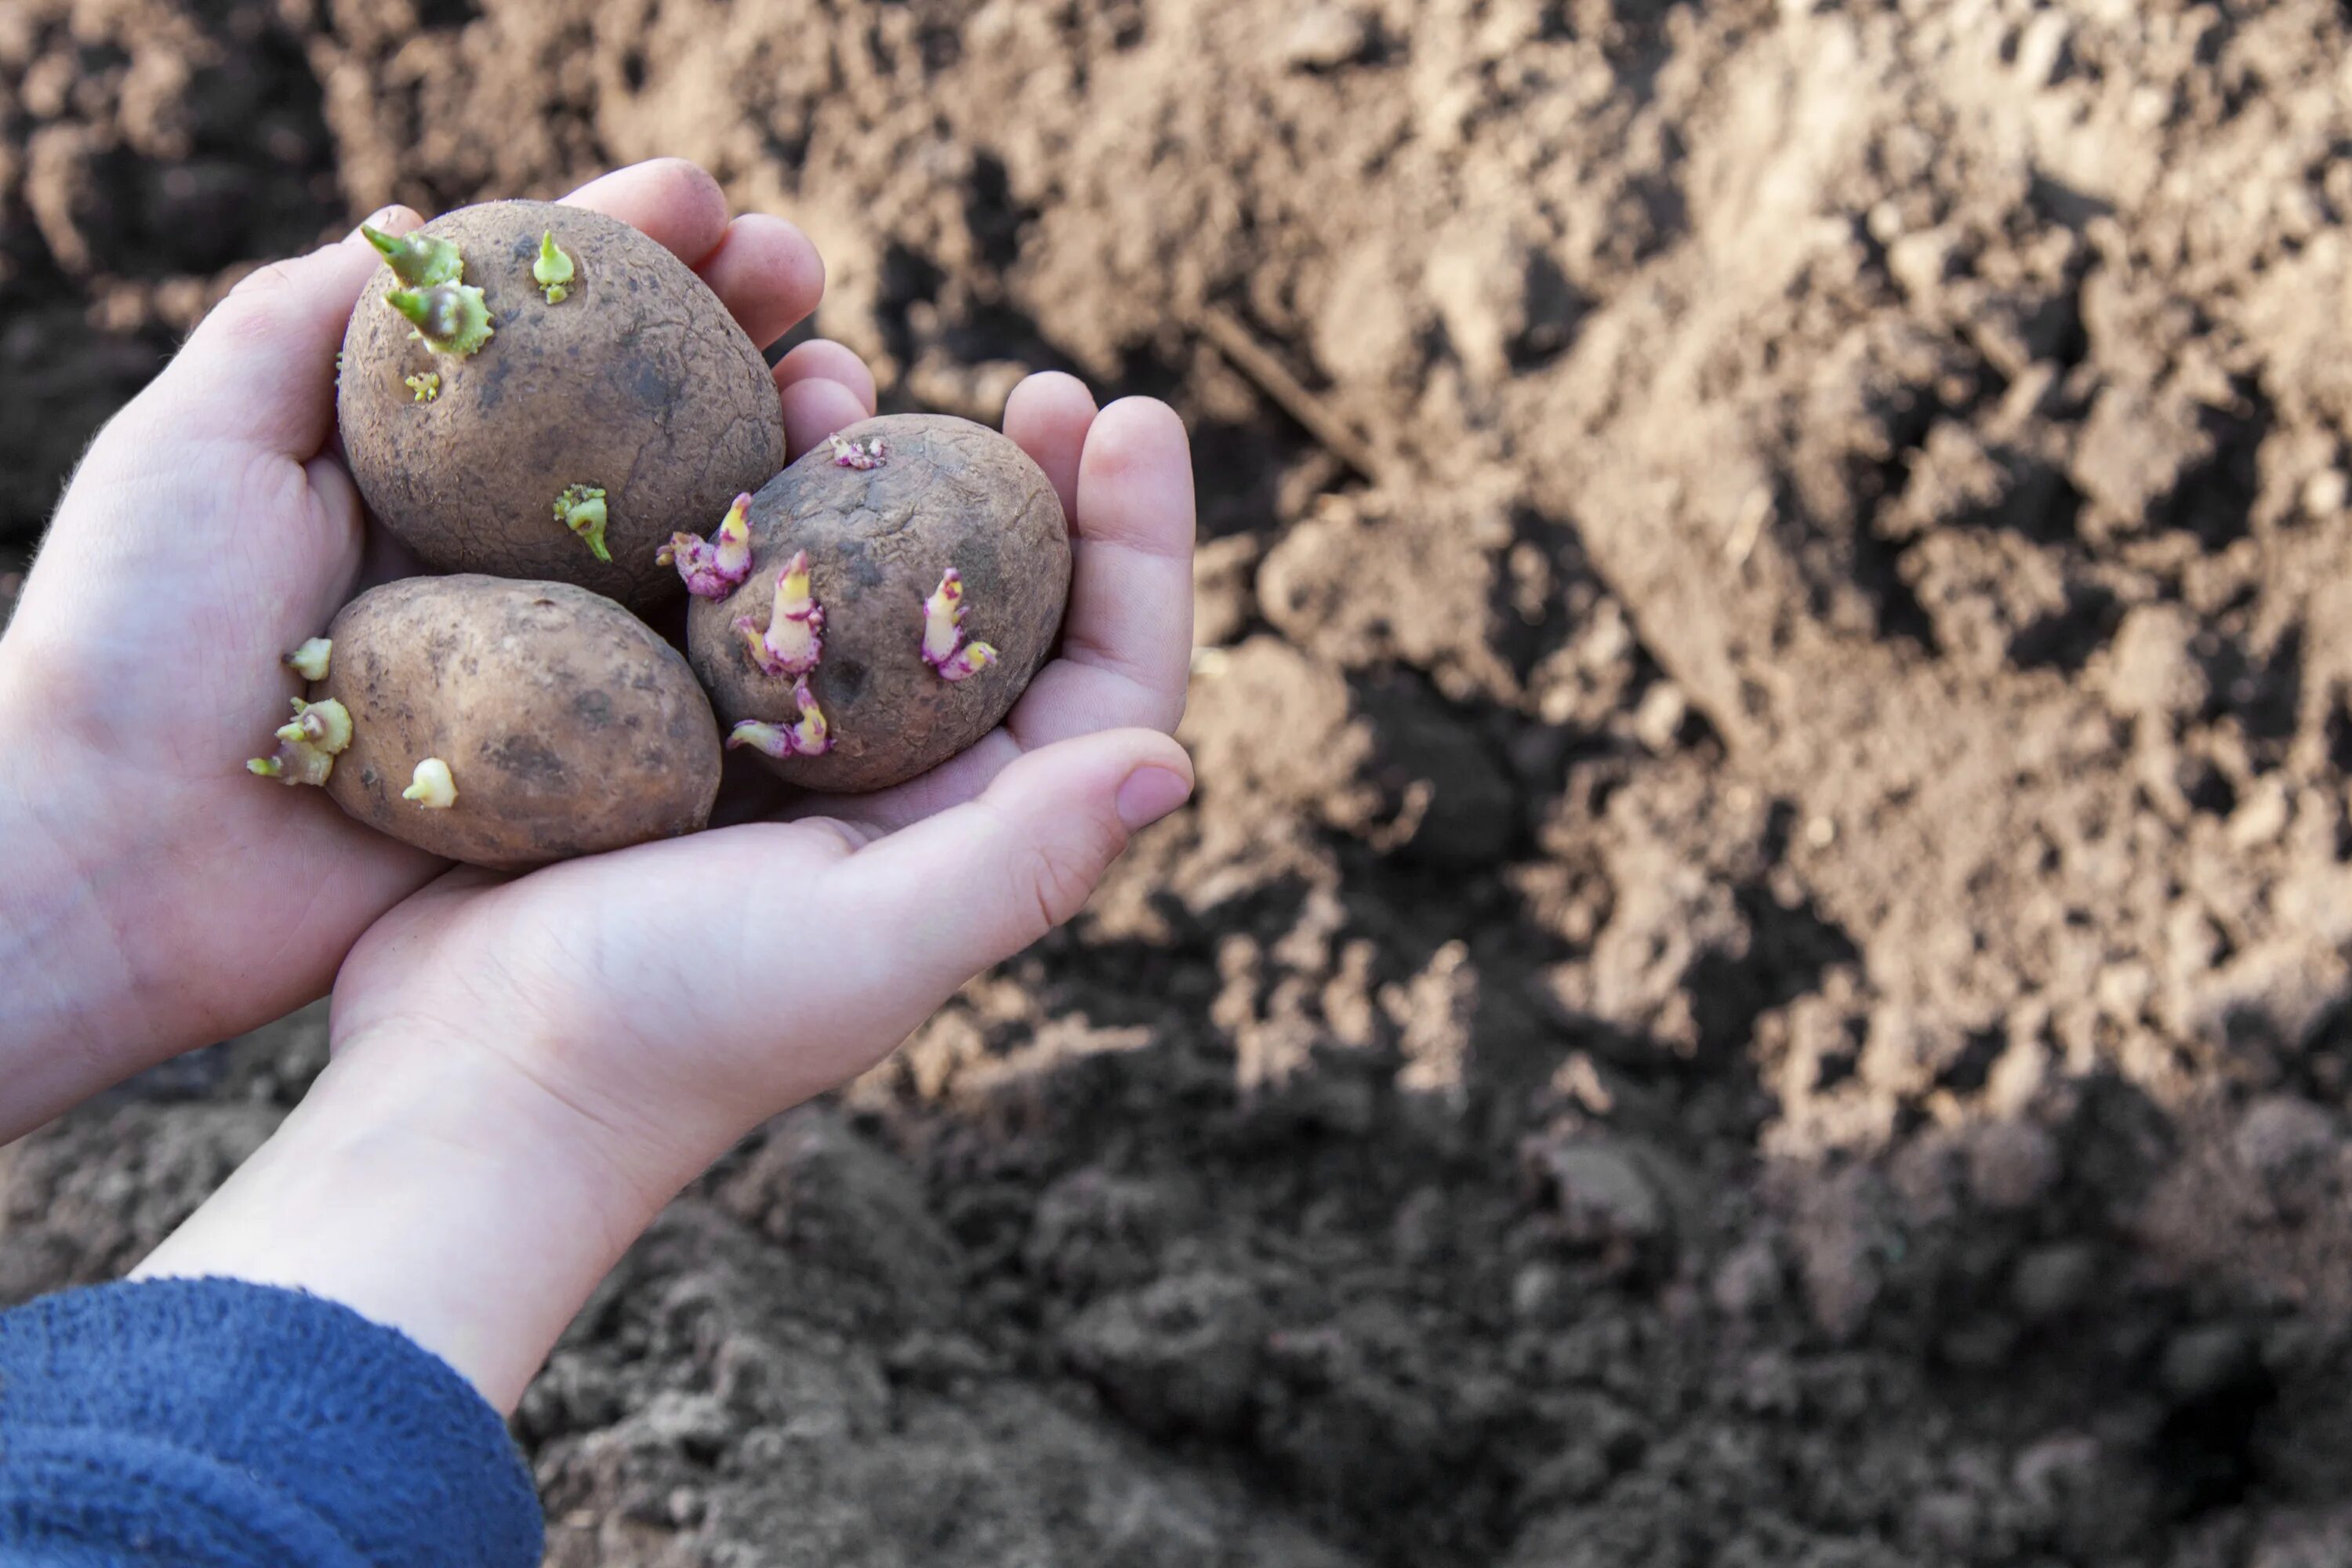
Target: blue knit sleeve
{"x": 218, "y": 1423}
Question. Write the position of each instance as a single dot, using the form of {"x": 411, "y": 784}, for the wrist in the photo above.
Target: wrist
{"x": 438, "y": 1189}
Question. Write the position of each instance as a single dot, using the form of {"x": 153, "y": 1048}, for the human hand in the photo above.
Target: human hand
{"x": 525, "y": 1069}
{"x": 157, "y": 897}
{"x": 700, "y": 985}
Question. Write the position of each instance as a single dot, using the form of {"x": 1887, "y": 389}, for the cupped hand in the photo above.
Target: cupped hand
{"x": 526, "y": 1067}
{"x": 678, "y": 993}
{"x": 159, "y": 896}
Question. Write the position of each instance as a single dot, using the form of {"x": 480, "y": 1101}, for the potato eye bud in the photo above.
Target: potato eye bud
{"x": 793, "y": 640}
{"x": 967, "y": 660}
{"x": 416, "y": 259}
{"x": 581, "y": 509}
{"x": 449, "y": 317}
{"x": 310, "y": 660}
{"x": 427, "y": 387}
{"x": 326, "y": 725}
{"x": 307, "y": 747}
{"x": 943, "y": 644}
{"x": 860, "y": 455}
{"x": 552, "y": 270}
{"x": 431, "y": 786}
{"x": 806, "y": 736}
{"x": 713, "y": 568}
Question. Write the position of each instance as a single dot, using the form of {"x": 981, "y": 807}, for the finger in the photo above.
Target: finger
{"x": 669, "y": 198}
{"x": 260, "y": 367}
{"x": 1127, "y": 641}
{"x": 975, "y": 885}
{"x": 767, "y": 274}
{"x": 1047, "y": 417}
{"x": 822, "y": 360}
{"x": 340, "y": 530}
{"x": 815, "y": 409}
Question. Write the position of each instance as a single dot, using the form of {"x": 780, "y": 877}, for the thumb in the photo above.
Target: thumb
{"x": 260, "y": 368}
{"x": 977, "y": 883}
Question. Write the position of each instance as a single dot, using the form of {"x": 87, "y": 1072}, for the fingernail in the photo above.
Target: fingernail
{"x": 1150, "y": 793}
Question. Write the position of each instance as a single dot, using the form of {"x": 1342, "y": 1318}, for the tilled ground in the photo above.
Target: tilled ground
{"x": 1762, "y": 969}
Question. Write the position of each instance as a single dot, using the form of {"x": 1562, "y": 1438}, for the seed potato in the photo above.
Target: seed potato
{"x": 613, "y": 387}
{"x": 900, "y": 685}
{"x": 509, "y": 723}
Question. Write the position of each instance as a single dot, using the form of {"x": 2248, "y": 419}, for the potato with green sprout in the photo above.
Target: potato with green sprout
{"x": 500, "y": 722}
{"x": 541, "y": 392}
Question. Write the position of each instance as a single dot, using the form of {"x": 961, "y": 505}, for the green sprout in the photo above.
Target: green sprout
{"x": 553, "y": 269}
{"x": 326, "y": 725}
{"x": 416, "y": 259}
{"x": 449, "y": 317}
{"x": 581, "y": 509}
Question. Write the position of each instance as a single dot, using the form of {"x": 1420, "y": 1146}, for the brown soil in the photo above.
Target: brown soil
{"x": 1762, "y": 971}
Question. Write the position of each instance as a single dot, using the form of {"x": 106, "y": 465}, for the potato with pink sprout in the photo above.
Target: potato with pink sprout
{"x": 902, "y": 584}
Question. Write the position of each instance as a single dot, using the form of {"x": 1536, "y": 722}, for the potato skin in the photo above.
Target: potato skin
{"x": 949, "y": 493}
{"x": 639, "y": 382}
{"x": 569, "y": 726}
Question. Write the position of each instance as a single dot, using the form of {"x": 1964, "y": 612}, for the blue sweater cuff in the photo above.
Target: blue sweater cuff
{"x": 214, "y": 1422}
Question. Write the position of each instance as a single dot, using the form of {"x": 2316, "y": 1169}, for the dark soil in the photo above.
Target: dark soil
{"x": 1762, "y": 969}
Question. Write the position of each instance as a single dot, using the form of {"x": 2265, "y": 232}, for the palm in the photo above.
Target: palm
{"x": 590, "y": 958}
{"x": 179, "y": 666}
